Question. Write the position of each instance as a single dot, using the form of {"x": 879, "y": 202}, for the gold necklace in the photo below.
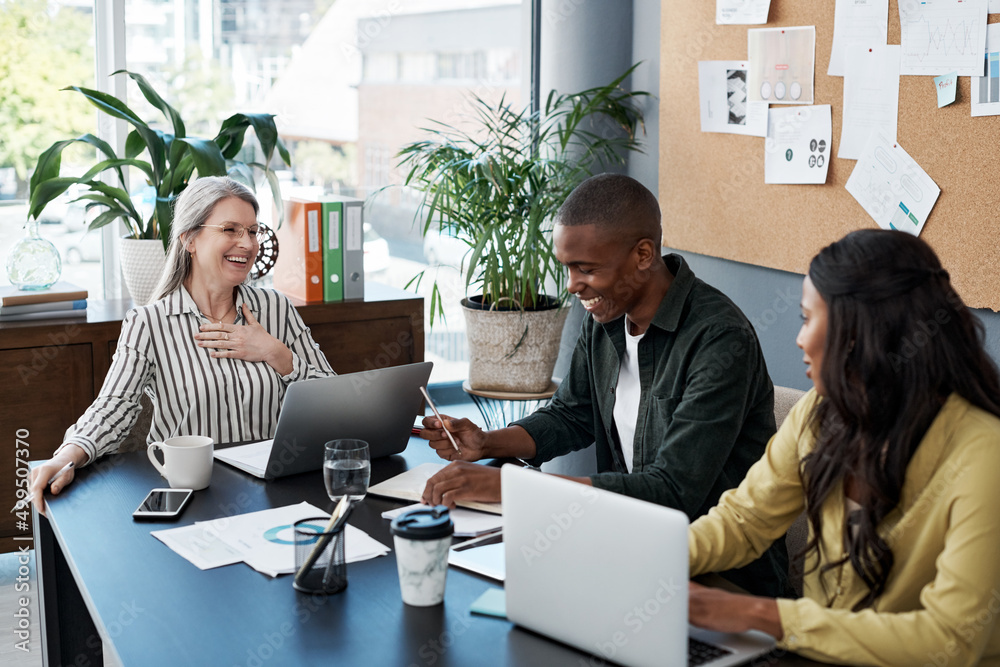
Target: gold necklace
{"x": 224, "y": 315}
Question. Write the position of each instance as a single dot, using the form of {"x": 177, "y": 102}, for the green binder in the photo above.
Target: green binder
{"x": 333, "y": 254}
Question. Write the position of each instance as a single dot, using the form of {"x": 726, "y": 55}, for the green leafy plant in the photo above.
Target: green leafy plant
{"x": 168, "y": 162}
{"x": 496, "y": 183}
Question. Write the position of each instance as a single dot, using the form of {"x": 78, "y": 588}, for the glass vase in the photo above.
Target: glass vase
{"x": 33, "y": 263}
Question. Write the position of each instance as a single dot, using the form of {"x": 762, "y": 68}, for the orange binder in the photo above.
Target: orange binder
{"x": 298, "y": 270}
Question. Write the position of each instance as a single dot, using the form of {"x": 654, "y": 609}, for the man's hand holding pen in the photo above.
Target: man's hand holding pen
{"x": 470, "y": 439}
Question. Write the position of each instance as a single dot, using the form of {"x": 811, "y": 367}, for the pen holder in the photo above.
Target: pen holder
{"x": 319, "y": 558}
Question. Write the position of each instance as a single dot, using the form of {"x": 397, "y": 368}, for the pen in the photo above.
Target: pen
{"x": 438, "y": 415}
{"x": 339, "y": 514}
{"x": 66, "y": 468}
{"x": 23, "y": 502}
{"x": 338, "y": 525}
{"x": 493, "y": 537}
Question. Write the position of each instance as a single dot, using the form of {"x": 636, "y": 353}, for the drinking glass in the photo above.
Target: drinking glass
{"x": 346, "y": 469}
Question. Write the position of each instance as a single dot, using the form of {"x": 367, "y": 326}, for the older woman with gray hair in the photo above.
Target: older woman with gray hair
{"x": 214, "y": 354}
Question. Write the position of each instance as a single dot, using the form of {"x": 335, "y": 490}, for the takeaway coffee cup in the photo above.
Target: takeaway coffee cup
{"x": 422, "y": 538}
{"x": 187, "y": 461}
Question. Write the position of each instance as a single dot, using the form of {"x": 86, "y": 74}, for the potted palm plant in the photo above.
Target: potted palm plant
{"x": 167, "y": 160}
{"x": 496, "y": 184}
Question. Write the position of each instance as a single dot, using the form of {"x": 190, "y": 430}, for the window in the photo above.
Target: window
{"x": 469, "y": 66}
{"x": 417, "y": 67}
{"x": 350, "y": 83}
{"x": 47, "y": 46}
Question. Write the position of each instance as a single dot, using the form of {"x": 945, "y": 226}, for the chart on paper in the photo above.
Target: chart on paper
{"x": 943, "y": 36}
{"x": 989, "y": 85}
{"x": 986, "y": 89}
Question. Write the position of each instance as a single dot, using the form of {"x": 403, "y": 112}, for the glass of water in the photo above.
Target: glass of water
{"x": 346, "y": 469}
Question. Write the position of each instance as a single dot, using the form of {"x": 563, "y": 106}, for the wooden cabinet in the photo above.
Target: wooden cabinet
{"x": 50, "y": 371}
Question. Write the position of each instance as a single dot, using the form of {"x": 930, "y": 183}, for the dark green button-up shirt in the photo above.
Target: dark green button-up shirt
{"x": 706, "y": 409}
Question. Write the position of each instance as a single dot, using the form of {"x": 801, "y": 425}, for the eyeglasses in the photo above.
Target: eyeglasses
{"x": 235, "y": 231}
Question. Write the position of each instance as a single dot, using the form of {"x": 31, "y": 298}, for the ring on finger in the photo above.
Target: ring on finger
{"x": 227, "y": 335}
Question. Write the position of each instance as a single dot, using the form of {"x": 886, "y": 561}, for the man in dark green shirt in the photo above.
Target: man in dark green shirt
{"x": 667, "y": 377}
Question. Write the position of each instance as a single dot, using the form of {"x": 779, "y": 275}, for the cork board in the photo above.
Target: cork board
{"x": 712, "y": 189}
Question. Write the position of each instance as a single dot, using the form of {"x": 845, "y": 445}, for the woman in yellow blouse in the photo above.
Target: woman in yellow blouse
{"x": 895, "y": 458}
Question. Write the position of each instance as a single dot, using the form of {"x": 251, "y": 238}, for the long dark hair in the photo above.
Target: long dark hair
{"x": 899, "y": 341}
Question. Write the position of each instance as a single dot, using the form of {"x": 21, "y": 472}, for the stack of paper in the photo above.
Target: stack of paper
{"x": 251, "y": 458}
{"x": 489, "y": 560}
{"x": 468, "y": 523}
{"x": 263, "y": 540}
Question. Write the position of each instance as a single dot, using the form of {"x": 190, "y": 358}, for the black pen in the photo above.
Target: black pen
{"x": 493, "y": 537}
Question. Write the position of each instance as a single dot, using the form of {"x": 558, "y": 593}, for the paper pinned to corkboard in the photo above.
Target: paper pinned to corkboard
{"x": 712, "y": 189}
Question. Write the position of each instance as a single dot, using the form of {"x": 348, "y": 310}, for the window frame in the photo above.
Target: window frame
{"x": 109, "y": 52}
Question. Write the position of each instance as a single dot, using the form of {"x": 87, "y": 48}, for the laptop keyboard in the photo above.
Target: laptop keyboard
{"x": 700, "y": 653}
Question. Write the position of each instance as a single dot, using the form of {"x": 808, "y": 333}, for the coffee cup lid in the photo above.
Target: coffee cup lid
{"x": 424, "y": 523}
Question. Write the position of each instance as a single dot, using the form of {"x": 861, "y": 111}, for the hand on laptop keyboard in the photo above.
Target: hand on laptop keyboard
{"x": 722, "y": 611}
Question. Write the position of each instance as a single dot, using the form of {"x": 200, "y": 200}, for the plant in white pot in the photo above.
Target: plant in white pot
{"x": 495, "y": 184}
{"x": 167, "y": 160}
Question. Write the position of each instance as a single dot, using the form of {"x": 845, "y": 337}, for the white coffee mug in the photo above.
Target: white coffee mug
{"x": 187, "y": 461}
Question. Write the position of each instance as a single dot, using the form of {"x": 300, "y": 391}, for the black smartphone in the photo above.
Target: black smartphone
{"x": 162, "y": 505}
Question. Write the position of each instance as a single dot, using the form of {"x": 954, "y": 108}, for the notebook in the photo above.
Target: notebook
{"x": 605, "y": 573}
{"x": 376, "y": 406}
{"x": 410, "y": 486}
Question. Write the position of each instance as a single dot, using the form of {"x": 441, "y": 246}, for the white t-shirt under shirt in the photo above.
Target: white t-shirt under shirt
{"x": 627, "y": 395}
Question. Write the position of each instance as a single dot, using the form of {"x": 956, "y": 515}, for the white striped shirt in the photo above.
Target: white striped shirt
{"x": 229, "y": 400}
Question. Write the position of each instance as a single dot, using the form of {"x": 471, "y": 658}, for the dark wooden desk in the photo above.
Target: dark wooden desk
{"x": 51, "y": 370}
{"x": 105, "y": 582}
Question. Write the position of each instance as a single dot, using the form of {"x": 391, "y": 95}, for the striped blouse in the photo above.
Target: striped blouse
{"x": 229, "y": 400}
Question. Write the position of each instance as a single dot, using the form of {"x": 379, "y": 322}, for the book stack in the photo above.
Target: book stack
{"x": 321, "y": 249}
{"x": 62, "y": 300}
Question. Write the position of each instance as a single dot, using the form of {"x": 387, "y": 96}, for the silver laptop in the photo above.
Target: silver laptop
{"x": 607, "y": 574}
{"x": 377, "y": 406}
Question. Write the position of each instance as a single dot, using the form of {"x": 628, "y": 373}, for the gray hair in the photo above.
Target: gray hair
{"x": 192, "y": 209}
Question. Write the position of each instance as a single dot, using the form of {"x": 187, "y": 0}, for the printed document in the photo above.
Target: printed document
{"x": 782, "y": 63}
{"x": 797, "y": 148}
{"x": 940, "y": 36}
{"x": 742, "y": 12}
{"x": 891, "y": 187}
{"x": 263, "y": 540}
{"x": 856, "y": 23}
{"x": 985, "y": 90}
{"x": 871, "y": 97}
{"x": 200, "y": 544}
{"x": 725, "y": 105}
